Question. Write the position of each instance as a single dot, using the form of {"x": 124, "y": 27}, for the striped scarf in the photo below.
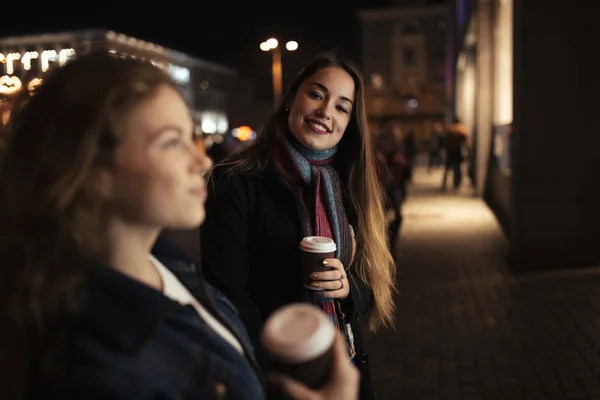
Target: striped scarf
{"x": 328, "y": 217}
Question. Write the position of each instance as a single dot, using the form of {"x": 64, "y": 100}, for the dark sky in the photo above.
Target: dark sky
{"x": 216, "y": 31}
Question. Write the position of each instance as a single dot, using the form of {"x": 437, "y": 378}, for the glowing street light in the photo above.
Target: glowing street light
{"x": 291, "y": 45}
{"x": 273, "y": 45}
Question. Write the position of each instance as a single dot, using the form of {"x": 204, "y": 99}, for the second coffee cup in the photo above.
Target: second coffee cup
{"x": 298, "y": 339}
{"x": 313, "y": 250}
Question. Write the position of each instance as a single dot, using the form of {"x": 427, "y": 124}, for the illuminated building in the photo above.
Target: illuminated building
{"x": 206, "y": 86}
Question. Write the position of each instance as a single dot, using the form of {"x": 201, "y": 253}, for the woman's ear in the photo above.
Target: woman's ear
{"x": 103, "y": 184}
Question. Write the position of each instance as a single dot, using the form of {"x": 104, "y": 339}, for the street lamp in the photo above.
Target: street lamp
{"x": 272, "y": 45}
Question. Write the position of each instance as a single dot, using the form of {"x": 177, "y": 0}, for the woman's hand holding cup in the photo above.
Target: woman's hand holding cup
{"x": 321, "y": 271}
{"x": 333, "y": 283}
{"x": 343, "y": 384}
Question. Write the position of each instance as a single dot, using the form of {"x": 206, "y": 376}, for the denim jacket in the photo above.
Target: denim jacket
{"x": 134, "y": 343}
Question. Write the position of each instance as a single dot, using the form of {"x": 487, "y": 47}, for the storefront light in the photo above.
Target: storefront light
{"x": 47, "y": 56}
{"x": 243, "y": 133}
{"x": 179, "y": 74}
{"x": 222, "y": 124}
{"x": 9, "y": 85}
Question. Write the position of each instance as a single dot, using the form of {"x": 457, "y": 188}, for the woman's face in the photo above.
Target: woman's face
{"x": 157, "y": 180}
{"x": 322, "y": 108}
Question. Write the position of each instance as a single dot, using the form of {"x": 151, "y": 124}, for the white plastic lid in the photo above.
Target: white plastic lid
{"x": 317, "y": 244}
{"x": 298, "y": 332}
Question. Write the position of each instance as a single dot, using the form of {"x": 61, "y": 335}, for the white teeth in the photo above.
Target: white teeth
{"x": 318, "y": 127}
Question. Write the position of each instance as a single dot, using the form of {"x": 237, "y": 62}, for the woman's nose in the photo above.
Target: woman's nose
{"x": 204, "y": 163}
{"x": 323, "y": 111}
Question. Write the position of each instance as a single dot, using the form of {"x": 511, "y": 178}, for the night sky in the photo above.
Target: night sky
{"x": 218, "y": 32}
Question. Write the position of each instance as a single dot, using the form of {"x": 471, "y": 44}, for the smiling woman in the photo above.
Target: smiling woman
{"x": 311, "y": 172}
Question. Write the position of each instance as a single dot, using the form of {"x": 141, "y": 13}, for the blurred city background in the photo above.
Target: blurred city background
{"x": 498, "y": 287}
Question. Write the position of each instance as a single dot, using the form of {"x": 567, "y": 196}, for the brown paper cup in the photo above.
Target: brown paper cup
{"x": 313, "y": 262}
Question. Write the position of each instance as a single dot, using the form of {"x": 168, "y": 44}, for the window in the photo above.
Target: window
{"x": 410, "y": 29}
{"x": 440, "y": 55}
{"x": 409, "y": 56}
{"x": 376, "y": 80}
{"x": 440, "y": 77}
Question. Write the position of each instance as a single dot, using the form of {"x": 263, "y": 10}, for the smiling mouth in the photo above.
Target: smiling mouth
{"x": 318, "y": 126}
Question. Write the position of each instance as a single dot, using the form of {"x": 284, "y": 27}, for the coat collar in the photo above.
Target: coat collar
{"x": 122, "y": 311}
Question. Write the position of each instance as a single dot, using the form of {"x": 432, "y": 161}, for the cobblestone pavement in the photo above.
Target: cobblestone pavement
{"x": 467, "y": 327}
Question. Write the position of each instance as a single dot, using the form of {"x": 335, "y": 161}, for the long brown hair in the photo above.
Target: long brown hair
{"x": 355, "y": 162}
{"x": 51, "y": 212}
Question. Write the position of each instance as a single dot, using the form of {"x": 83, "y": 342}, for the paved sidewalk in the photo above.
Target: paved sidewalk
{"x": 467, "y": 327}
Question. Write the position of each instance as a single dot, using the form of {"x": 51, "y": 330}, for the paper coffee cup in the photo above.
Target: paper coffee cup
{"x": 315, "y": 249}
{"x": 298, "y": 339}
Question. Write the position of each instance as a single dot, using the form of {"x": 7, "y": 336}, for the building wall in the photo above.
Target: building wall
{"x": 555, "y": 162}
{"x": 483, "y": 100}
{"x": 499, "y": 29}
{"x": 535, "y": 122}
{"x": 403, "y": 59}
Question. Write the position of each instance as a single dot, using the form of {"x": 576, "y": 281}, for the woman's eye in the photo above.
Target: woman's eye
{"x": 172, "y": 142}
